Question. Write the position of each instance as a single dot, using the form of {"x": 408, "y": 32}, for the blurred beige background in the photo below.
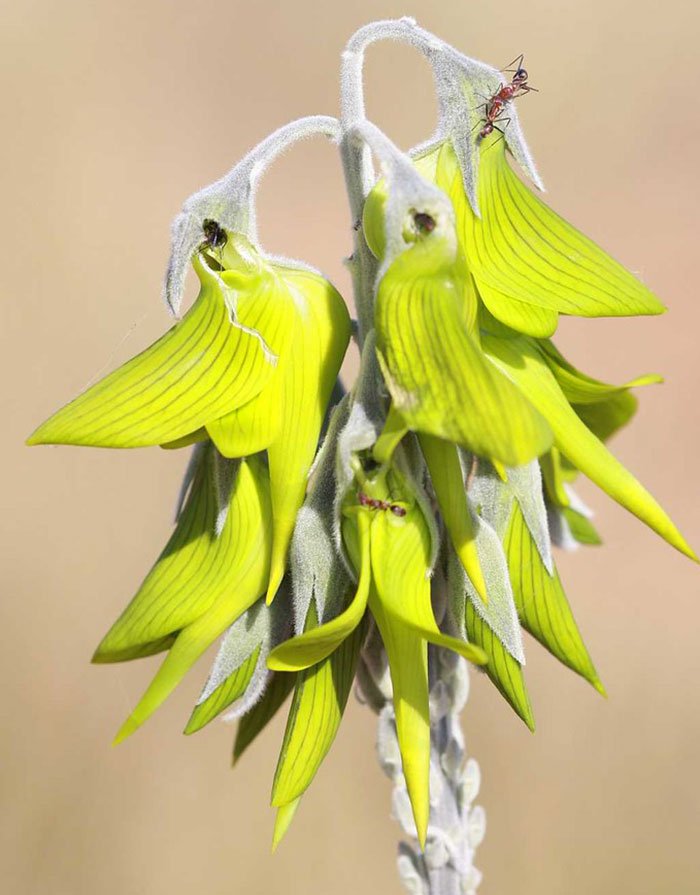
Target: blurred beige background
{"x": 115, "y": 112}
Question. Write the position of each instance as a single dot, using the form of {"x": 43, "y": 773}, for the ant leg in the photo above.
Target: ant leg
{"x": 506, "y": 122}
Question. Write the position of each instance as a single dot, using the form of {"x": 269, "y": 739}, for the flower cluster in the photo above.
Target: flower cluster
{"x": 426, "y": 513}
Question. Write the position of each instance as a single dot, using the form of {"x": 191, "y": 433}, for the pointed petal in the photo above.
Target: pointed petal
{"x": 185, "y": 580}
{"x": 520, "y": 359}
{"x": 319, "y": 702}
{"x": 542, "y": 606}
{"x": 606, "y": 417}
{"x": 227, "y": 692}
{"x": 250, "y": 429}
{"x": 246, "y": 573}
{"x": 526, "y": 484}
{"x": 505, "y": 672}
{"x": 408, "y": 664}
{"x": 499, "y": 613}
{"x": 260, "y": 715}
{"x": 401, "y": 552}
{"x": 582, "y": 389}
{"x": 200, "y": 369}
{"x": 316, "y": 644}
{"x": 527, "y": 252}
{"x": 530, "y": 319}
{"x": 450, "y": 489}
{"x": 320, "y": 343}
{"x": 581, "y": 527}
{"x": 240, "y": 657}
{"x": 551, "y": 466}
{"x": 195, "y": 437}
{"x": 283, "y": 821}
{"x": 394, "y": 430}
{"x": 436, "y": 374}
{"x": 139, "y": 651}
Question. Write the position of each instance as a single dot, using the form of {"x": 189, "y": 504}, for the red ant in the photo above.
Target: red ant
{"x": 518, "y": 83}
{"x": 374, "y": 504}
{"x": 494, "y": 112}
{"x": 496, "y": 104}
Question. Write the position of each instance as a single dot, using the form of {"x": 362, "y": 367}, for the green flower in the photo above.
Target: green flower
{"x": 251, "y": 366}
{"x": 527, "y": 263}
{"x": 461, "y": 299}
{"x": 388, "y": 538}
{"x": 215, "y": 566}
{"x": 439, "y": 379}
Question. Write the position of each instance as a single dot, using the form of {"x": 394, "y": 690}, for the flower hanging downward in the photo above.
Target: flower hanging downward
{"x": 251, "y": 366}
{"x": 202, "y": 582}
{"x": 389, "y": 542}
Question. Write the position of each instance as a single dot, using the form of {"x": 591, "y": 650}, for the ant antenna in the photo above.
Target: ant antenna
{"x": 518, "y": 62}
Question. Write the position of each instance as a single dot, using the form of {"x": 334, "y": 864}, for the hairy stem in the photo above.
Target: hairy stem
{"x": 456, "y": 827}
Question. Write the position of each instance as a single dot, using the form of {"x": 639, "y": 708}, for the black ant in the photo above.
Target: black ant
{"x": 215, "y": 235}
{"x": 424, "y": 222}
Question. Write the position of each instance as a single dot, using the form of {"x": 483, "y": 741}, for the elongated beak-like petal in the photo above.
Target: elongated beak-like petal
{"x": 541, "y": 603}
{"x": 522, "y": 251}
{"x": 286, "y": 417}
{"x": 317, "y": 708}
{"x": 236, "y": 578}
{"x": 314, "y": 645}
{"x": 401, "y": 605}
{"x": 450, "y": 489}
{"x": 521, "y": 360}
{"x": 604, "y": 408}
{"x": 203, "y": 367}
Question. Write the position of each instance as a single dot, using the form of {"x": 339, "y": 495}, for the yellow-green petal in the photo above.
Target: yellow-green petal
{"x": 438, "y": 378}
{"x": 247, "y": 571}
{"x": 401, "y": 554}
{"x": 449, "y": 485}
{"x": 283, "y": 821}
{"x": 256, "y": 720}
{"x": 528, "y": 253}
{"x": 521, "y": 360}
{"x": 505, "y": 671}
{"x": 407, "y": 652}
{"x": 317, "y": 707}
{"x": 580, "y": 388}
{"x": 581, "y": 527}
{"x": 203, "y": 367}
{"x": 554, "y": 478}
{"x": 315, "y": 359}
{"x": 227, "y": 692}
{"x": 190, "y": 573}
{"x": 522, "y": 316}
{"x": 316, "y": 644}
{"x": 541, "y": 603}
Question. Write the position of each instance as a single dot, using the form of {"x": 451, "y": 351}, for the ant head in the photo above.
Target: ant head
{"x": 520, "y": 76}
{"x": 424, "y": 220}
{"x": 214, "y": 233}
{"x": 425, "y": 223}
